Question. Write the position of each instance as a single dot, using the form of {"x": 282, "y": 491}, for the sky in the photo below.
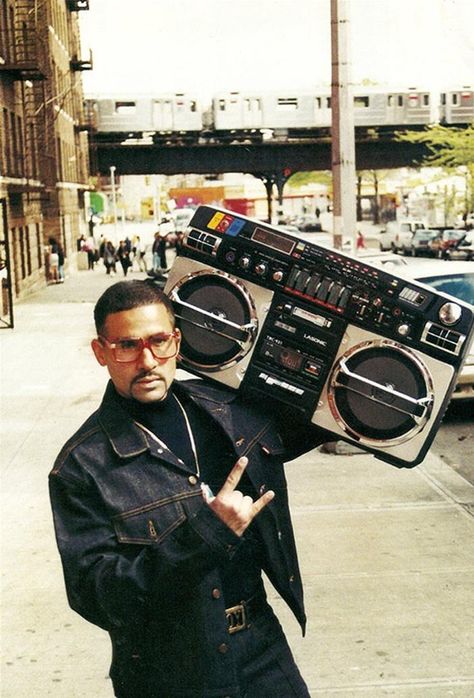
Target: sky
{"x": 207, "y": 46}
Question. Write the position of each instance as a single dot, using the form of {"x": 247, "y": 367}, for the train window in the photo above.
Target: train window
{"x": 192, "y": 105}
{"x": 361, "y": 102}
{"x": 426, "y": 100}
{"x": 454, "y": 98}
{"x": 287, "y": 103}
{"x": 400, "y": 100}
{"x": 222, "y": 105}
{"x": 252, "y": 104}
{"x": 328, "y": 102}
{"x": 125, "y": 107}
{"x": 390, "y": 100}
{"x": 443, "y": 99}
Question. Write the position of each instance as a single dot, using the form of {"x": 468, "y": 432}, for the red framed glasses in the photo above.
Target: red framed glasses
{"x": 163, "y": 346}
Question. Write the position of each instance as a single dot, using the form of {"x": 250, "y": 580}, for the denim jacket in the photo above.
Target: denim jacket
{"x": 141, "y": 549}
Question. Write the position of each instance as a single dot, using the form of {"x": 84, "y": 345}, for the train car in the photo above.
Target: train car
{"x": 167, "y": 116}
{"x": 457, "y": 106}
{"x": 403, "y": 107}
{"x": 297, "y": 114}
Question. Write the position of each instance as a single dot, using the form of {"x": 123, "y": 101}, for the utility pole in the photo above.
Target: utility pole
{"x": 342, "y": 127}
{"x": 114, "y": 199}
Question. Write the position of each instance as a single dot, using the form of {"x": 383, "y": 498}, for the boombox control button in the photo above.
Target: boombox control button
{"x": 323, "y": 289}
{"x": 261, "y": 269}
{"x": 313, "y": 284}
{"x": 230, "y": 256}
{"x": 404, "y": 330}
{"x": 295, "y": 272}
{"x": 343, "y": 298}
{"x": 245, "y": 262}
{"x": 277, "y": 275}
{"x": 301, "y": 281}
{"x": 335, "y": 293}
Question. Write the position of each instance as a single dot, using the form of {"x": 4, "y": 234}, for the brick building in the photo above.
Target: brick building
{"x": 44, "y": 168}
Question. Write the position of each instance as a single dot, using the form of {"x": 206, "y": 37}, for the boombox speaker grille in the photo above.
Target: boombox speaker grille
{"x": 216, "y": 317}
{"x": 380, "y": 392}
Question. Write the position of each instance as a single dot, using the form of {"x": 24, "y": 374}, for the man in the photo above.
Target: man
{"x": 168, "y": 503}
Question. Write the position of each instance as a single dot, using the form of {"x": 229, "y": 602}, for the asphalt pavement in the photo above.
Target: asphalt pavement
{"x": 387, "y": 555}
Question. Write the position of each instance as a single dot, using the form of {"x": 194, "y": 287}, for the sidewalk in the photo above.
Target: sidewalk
{"x": 387, "y": 555}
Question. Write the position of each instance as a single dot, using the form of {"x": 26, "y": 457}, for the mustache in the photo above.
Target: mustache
{"x": 147, "y": 374}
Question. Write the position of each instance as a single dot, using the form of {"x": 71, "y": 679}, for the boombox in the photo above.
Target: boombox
{"x": 351, "y": 348}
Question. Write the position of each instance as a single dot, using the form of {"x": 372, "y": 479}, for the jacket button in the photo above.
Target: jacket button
{"x": 263, "y": 489}
{"x": 280, "y": 535}
{"x": 223, "y": 648}
{"x": 240, "y": 441}
{"x": 292, "y": 578}
{"x": 192, "y": 479}
{"x": 216, "y": 594}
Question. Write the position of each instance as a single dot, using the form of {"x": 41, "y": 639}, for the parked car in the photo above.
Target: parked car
{"x": 398, "y": 234}
{"x": 445, "y": 240}
{"x": 309, "y": 223}
{"x": 463, "y": 248}
{"x": 456, "y": 279}
{"x": 420, "y": 244}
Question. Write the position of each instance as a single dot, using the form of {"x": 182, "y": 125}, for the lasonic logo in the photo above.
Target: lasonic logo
{"x": 315, "y": 340}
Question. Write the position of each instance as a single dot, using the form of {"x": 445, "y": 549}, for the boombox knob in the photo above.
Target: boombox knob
{"x": 404, "y": 329}
{"x": 244, "y": 262}
{"x": 277, "y": 275}
{"x": 261, "y": 269}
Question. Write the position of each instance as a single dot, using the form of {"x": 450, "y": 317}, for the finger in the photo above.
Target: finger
{"x": 262, "y": 502}
{"x": 234, "y": 476}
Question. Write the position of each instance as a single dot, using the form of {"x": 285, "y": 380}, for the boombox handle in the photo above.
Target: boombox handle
{"x": 240, "y": 334}
{"x": 415, "y": 408}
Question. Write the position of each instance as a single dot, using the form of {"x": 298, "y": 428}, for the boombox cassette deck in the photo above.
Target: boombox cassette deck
{"x": 358, "y": 351}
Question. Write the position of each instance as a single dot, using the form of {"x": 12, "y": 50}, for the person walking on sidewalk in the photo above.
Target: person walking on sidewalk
{"x": 168, "y": 503}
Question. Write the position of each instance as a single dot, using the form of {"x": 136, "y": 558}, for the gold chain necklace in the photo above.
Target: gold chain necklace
{"x": 190, "y": 435}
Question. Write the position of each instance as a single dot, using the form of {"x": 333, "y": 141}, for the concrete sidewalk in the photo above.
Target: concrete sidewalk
{"x": 387, "y": 555}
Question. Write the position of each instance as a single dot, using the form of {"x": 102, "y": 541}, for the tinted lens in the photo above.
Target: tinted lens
{"x": 128, "y": 349}
{"x": 162, "y": 346}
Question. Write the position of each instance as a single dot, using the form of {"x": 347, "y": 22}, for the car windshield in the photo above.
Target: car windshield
{"x": 458, "y": 285}
{"x": 426, "y": 234}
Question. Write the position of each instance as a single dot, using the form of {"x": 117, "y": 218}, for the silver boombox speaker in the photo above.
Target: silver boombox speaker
{"x": 360, "y": 352}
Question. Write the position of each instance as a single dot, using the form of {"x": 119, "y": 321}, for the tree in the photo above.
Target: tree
{"x": 450, "y": 148}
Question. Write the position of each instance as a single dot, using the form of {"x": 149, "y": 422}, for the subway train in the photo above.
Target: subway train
{"x": 241, "y": 116}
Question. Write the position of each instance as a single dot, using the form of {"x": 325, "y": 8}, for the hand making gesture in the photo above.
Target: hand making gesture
{"x": 231, "y": 506}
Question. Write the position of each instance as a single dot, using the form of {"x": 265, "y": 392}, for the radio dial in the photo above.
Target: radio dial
{"x": 261, "y": 269}
{"x": 244, "y": 262}
{"x": 230, "y": 256}
{"x": 277, "y": 275}
{"x": 404, "y": 329}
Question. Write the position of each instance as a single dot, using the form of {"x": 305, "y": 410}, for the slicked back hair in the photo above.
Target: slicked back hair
{"x": 126, "y": 295}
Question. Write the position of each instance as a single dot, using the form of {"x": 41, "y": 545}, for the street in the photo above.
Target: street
{"x": 454, "y": 442}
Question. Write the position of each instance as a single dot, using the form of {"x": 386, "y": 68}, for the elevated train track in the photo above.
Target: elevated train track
{"x": 271, "y": 156}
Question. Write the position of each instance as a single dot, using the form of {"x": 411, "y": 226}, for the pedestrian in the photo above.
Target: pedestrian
{"x": 168, "y": 503}
{"x": 53, "y": 261}
{"x": 61, "y": 275}
{"x": 156, "y": 252}
{"x": 123, "y": 255}
{"x": 110, "y": 257}
{"x": 89, "y": 247}
{"x": 360, "y": 242}
{"x": 139, "y": 251}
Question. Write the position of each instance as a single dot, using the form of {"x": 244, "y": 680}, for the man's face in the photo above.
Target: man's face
{"x": 146, "y": 379}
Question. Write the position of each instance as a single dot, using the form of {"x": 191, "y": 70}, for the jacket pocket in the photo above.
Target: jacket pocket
{"x": 150, "y": 523}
